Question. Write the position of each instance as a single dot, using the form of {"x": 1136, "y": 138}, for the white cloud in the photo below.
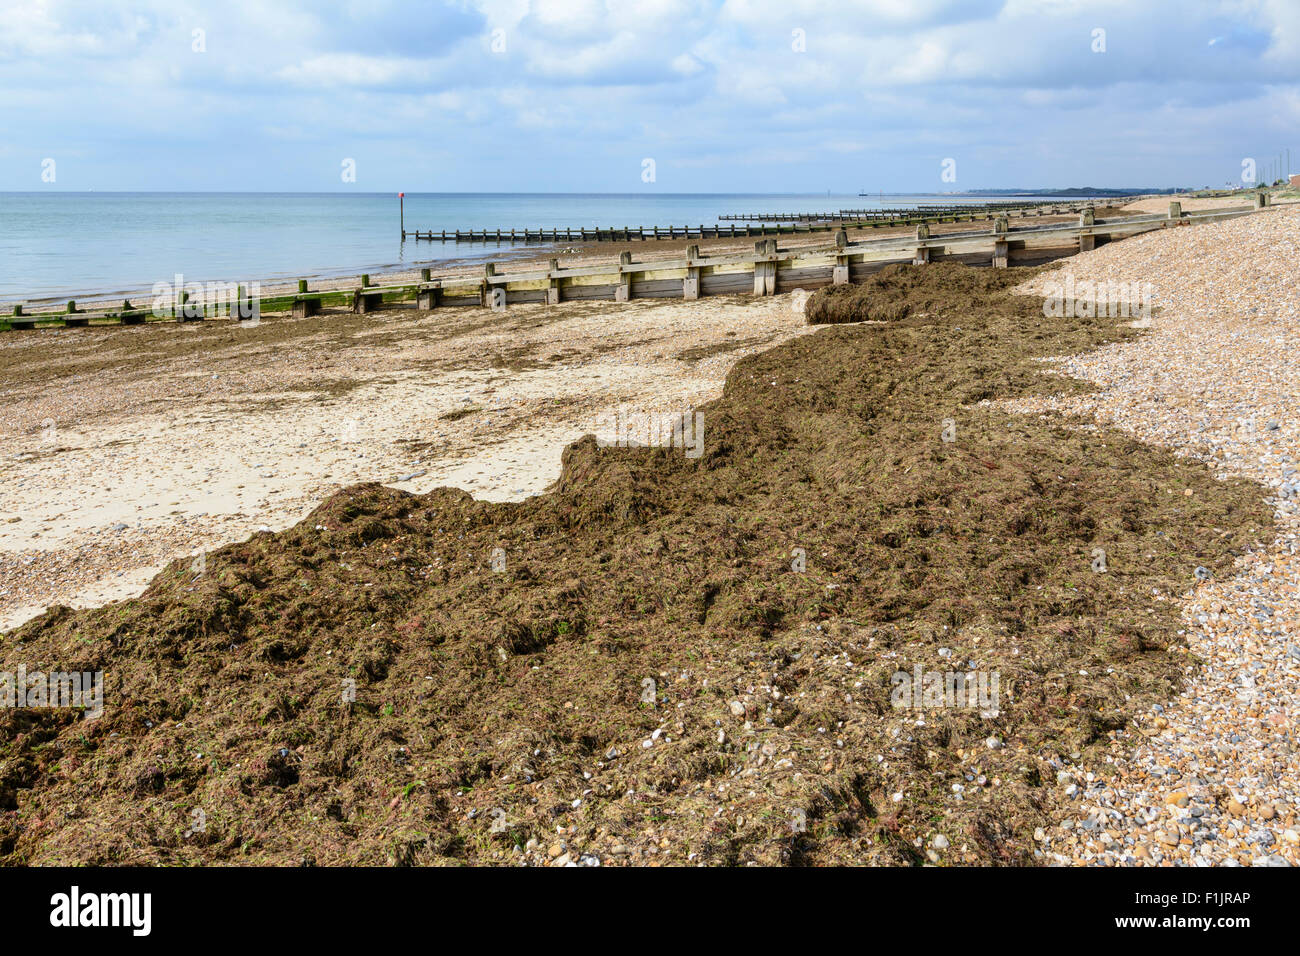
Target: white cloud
{"x": 879, "y": 82}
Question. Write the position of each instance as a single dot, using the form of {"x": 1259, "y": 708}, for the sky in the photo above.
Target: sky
{"x": 630, "y": 96}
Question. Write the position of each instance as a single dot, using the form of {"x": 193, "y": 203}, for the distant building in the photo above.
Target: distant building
{"x": 1295, "y": 179}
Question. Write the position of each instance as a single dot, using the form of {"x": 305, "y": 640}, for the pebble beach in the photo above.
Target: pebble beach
{"x": 1213, "y": 777}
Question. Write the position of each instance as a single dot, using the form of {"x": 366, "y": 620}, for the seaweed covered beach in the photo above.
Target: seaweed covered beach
{"x": 664, "y": 659}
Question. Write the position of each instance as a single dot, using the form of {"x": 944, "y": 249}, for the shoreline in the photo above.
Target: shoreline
{"x": 573, "y": 253}
{"x": 455, "y": 262}
{"x": 269, "y": 283}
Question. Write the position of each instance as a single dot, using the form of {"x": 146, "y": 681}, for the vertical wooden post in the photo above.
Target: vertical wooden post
{"x": 1087, "y": 240}
{"x": 1175, "y": 210}
{"x": 840, "y": 271}
{"x": 691, "y": 283}
{"x": 764, "y": 271}
{"x": 427, "y": 298}
{"x": 1001, "y": 253}
{"x": 304, "y": 307}
{"x": 553, "y": 286}
{"x": 922, "y": 255}
{"x": 623, "y": 291}
{"x": 430, "y": 297}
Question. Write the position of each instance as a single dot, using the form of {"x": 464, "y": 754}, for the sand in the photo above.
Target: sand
{"x": 124, "y": 448}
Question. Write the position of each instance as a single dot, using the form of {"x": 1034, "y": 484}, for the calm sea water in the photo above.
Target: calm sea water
{"x": 57, "y": 245}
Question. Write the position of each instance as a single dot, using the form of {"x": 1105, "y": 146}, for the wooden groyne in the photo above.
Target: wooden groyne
{"x": 953, "y": 212}
{"x": 757, "y": 224}
{"x": 767, "y": 270}
{"x": 614, "y": 234}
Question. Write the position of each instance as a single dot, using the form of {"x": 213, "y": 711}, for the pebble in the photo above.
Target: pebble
{"x": 1215, "y": 779}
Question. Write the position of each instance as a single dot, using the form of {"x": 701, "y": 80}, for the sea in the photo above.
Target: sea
{"x": 60, "y": 245}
